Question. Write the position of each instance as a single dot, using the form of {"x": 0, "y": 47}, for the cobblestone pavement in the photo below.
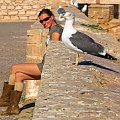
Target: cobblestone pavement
{"x": 13, "y": 36}
{"x": 89, "y": 91}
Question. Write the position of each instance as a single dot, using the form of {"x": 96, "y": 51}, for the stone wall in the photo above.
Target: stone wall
{"x": 25, "y": 10}
{"x": 34, "y": 54}
{"x": 116, "y": 4}
{"x": 83, "y": 92}
{"x": 100, "y": 1}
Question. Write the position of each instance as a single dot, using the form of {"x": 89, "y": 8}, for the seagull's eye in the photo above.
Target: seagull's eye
{"x": 69, "y": 14}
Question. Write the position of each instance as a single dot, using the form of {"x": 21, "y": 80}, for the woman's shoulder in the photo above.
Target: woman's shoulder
{"x": 57, "y": 28}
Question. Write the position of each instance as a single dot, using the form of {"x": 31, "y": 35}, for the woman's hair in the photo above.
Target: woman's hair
{"x": 47, "y": 11}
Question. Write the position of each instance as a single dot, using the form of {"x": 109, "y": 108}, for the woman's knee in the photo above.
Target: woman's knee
{"x": 14, "y": 68}
{"x": 19, "y": 77}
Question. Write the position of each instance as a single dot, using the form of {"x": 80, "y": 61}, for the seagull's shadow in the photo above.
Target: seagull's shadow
{"x": 27, "y": 106}
{"x": 97, "y": 65}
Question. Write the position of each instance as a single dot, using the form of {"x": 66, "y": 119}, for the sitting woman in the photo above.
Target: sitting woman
{"x": 12, "y": 89}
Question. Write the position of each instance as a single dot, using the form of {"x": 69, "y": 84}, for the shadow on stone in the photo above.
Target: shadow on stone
{"x": 28, "y": 106}
{"x": 97, "y": 65}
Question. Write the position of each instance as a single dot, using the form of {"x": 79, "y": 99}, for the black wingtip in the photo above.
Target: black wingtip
{"x": 108, "y": 56}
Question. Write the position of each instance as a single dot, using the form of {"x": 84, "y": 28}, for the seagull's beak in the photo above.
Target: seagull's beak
{"x": 62, "y": 16}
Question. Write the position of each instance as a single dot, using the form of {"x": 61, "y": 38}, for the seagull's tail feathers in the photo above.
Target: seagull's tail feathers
{"x": 107, "y": 56}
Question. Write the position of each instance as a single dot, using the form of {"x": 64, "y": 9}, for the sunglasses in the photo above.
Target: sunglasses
{"x": 45, "y": 19}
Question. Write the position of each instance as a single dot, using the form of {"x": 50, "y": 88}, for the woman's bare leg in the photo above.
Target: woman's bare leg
{"x": 20, "y": 77}
{"x": 24, "y": 72}
{"x": 29, "y": 69}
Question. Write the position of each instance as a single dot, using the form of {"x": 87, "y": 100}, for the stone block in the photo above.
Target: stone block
{"x": 6, "y": 17}
{"x": 13, "y": 12}
{"x": 23, "y": 18}
{"x": 33, "y": 17}
{"x": 10, "y": 7}
{"x": 27, "y": 7}
{"x": 33, "y": 59}
{"x": 101, "y": 13}
{"x": 18, "y": 7}
{"x": 35, "y": 44}
{"x": 34, "y": 36}
{"x": 14, "y": 17}
{"x": 45, "y": 32}
{"x": 34, "y": 49}
{"x": 3, "y": 7}
{"x": 21, "y": 12}
{"x": 3, "y": 12}
{"x": 31, "y": 12}
{"x": 7, "y": 1}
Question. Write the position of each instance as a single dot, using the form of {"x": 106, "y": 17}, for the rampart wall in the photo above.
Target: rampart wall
{"x": 25, "y": 10}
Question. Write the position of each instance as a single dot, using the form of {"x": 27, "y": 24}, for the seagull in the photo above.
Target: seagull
{"x": 82, "y": 7}
{"x": 80, "y": 42}
{"x": 61, "y": 12}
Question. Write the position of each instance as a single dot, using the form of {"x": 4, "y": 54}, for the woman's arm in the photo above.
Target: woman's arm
{"x": 55, "y": 36}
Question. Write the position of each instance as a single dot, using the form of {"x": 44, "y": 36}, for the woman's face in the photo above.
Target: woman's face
{"x": 46, "y": 20}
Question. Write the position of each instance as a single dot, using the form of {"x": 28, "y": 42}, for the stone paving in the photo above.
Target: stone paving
{"x": 13, "y": 37}
{"x": 89, "y": 91}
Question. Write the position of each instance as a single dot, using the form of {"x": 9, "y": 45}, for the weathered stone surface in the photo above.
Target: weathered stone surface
{"x": 35, "y": 51}
{"x": 87, "y": 91}
{"x": 101, "y": 13}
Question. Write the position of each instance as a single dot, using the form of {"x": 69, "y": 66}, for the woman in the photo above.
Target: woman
{"x": 12, "y": 89}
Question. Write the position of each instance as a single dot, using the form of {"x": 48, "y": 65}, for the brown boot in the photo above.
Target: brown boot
{"x": 5, "y": 98}
{"x": 13, "y": 108}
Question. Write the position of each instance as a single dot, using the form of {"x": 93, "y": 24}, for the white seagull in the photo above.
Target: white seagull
{"x": 80, "y": 42}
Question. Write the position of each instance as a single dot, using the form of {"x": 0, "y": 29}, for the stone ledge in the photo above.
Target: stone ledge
{"x": 81, "y": 92}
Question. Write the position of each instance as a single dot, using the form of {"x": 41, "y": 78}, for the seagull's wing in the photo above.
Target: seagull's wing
{"x": 86, "y": 43}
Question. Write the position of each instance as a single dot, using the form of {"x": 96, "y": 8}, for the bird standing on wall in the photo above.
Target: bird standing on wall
{"x": 80, "y": 42}
{"x": 82, "y": 7}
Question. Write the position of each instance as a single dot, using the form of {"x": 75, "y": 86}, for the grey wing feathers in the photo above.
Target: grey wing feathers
{"x": 86, "y": 43}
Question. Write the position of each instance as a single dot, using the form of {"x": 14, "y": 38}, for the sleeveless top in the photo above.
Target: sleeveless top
{"x": 57, "y": 28}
